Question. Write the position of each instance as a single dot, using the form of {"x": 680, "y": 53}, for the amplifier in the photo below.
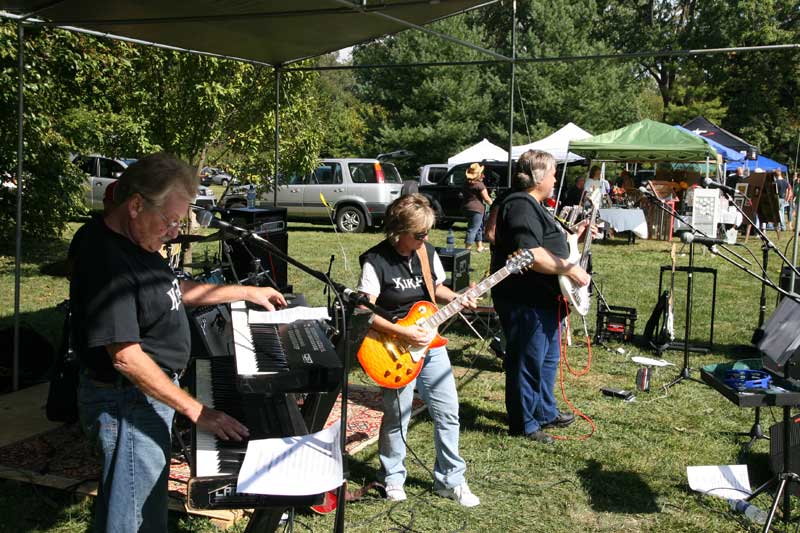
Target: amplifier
{"x": 268, "y": 223}
{"x": 785, "y": 281}
{"x": 456, "y": 265}
{"x": 776, "y": 451}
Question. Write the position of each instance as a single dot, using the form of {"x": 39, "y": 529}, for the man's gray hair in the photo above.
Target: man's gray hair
{"x": 154, "y": 177}
{"x": 531, "y": 169}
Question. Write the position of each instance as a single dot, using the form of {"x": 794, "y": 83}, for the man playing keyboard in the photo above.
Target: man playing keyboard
{"x": 132, "y": 338}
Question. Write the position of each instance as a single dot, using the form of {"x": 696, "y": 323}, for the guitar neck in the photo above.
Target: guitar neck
{"x": 457, "y": 304}
{"x": 587, "y": 241}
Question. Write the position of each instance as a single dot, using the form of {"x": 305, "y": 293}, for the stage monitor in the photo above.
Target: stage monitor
{"x": 779, "y": 342}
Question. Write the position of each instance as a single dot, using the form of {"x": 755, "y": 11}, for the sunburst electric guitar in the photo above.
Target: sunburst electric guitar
{"x": 577, "y": 296}
{"x": 393, "y": 364}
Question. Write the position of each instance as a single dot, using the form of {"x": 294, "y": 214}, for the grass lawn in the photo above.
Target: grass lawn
{"x": 629, "y": 476}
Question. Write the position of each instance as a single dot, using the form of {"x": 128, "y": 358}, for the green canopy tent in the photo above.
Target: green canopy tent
{"x": 646, "y": 140}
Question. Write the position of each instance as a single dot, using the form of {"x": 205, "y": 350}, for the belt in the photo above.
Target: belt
{"x": 119, "y": 381}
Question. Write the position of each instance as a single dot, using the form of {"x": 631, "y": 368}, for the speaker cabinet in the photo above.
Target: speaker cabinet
{"x": 456, "y": 265}
{"x": 269, "y": 224}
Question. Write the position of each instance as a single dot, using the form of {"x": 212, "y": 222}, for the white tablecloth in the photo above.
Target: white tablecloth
{"x": 626, "y": 220}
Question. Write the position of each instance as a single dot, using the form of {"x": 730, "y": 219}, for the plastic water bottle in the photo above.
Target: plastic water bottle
{"x": 753, "y": 513}
{"x": 251, "y": 196}
{"x": 451, "y": 240}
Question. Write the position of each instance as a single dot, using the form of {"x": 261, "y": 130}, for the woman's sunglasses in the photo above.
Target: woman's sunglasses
{"x": 421, "y": 236}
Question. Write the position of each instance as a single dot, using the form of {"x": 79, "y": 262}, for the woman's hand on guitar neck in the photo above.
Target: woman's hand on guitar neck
{"x": 578, "y": 275}
{"x": 417, "y": 335}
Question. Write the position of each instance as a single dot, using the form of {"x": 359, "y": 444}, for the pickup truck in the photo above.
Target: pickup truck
{"x": 446, "y": 194}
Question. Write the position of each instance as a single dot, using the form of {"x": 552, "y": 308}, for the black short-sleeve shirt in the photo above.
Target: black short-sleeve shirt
{"x": 522, "y": 222}
{"x": 119, "y": 293}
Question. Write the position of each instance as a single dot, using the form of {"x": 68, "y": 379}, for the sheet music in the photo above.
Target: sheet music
{"x": 725, "y": 481}
{"x": 293, "y": 466}
{"x": 287, "y": 316}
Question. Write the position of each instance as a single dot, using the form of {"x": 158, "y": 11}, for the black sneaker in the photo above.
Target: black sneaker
{"x": 540, "y": 436}
{"x": 561, "y": 421}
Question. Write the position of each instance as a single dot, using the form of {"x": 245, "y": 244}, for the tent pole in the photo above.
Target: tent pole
{"x": 277, "y": 134}
{"x": 20, "y": 154}
{"x": 561, "y": 183}
{"x": 511, "y": 91}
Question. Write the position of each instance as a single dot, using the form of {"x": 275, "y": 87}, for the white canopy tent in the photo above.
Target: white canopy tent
{"x": 479, "y": 152}
{"x": 556, "y": 144}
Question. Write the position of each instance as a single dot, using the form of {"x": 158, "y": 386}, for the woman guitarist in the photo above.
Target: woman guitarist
{"x": 392, "y": 277}
{"x": 527, "y": 303}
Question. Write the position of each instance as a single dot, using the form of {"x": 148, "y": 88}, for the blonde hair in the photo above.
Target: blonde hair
{"x": 154, "y": 177}
{"x": 410, "y": 213}
{"x": 531, "y": 168}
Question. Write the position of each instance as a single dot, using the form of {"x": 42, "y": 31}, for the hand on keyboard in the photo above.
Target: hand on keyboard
{"x": 223, "y": 426}
{"x": 266, "y": 297}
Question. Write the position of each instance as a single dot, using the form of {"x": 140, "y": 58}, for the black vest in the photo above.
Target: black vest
{"x": 401, "y": 279}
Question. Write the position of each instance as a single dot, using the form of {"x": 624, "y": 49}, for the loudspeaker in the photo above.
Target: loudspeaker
{"x": 776, "y": 451}
{"x": 778, "y": 340}
{"x": 785, "y": 281}
{"x": 456, "y": 265}
{"x": 269, "y": 223}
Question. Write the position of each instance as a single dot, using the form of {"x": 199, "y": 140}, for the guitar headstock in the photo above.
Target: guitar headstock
{"x": 595, "y": 196}
{"x": 519, "y": 261}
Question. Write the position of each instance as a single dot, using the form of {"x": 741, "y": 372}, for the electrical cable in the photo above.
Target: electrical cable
{"x": 564, "y": 361}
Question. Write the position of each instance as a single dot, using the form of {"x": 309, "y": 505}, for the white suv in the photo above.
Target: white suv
{"x": 358, "y": 191}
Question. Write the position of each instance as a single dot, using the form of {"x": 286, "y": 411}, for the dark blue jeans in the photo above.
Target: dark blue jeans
{"x": 474, "y": 227}
{"x": 531, "y": 363}
{"x": 132, "y": 432}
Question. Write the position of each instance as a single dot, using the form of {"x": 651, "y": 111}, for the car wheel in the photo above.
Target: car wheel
{"x": 224, "y": 183}
{"x": 350, "y": 219}
{"x": 441, "y": 221}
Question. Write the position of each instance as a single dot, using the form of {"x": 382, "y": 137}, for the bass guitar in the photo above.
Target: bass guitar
{"x": 391, "y": 363}
{"x": 577, "y": 296}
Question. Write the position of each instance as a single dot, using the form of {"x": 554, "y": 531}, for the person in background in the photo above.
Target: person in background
{"x": 131, "y": 336}
{"x": 595, "y": 180}
{"x": 392, "y": 278}
{"x": 575, "y": 192}
{"x": 734, "y": 179}
{"x": 475, "y": 196}
{"x": 527, "y": 303}
{"x": 782, "y": 185}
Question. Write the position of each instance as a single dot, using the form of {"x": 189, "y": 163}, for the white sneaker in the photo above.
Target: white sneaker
{"x": 461, "y": 494}
{"x": 395, "y": 493}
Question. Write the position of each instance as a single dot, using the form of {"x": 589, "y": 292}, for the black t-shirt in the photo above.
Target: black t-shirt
{"x": 522, "y": 222}
{"x": 782, "y": 185}
{"x": 401, "y": 279}
{"x": 573, "y": 196}
{"x": 120, "y": 292}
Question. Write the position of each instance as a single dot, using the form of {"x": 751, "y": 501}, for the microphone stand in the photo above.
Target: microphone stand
{"x": 685, "y": 372}
{"x": 343, "y": 295}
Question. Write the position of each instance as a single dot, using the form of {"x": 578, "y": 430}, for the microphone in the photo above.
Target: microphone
{"x": 711, "y": 184}
{"x": 688, "y": 237}
{"x": 206, "y": 219}
{"x": 646, "y": 192}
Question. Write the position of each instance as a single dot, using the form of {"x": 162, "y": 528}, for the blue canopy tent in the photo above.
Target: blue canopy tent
{"x": 763, "y": 163}
{"x": 727, "y": 154}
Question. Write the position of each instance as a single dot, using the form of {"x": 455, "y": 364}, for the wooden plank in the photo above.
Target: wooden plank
{"x": 22, "y": 414}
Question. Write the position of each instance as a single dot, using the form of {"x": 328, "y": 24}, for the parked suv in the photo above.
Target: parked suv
{"x": 357, "y": 191}
{"x": 101, "y": 171}
{"x": 446, "y": 194}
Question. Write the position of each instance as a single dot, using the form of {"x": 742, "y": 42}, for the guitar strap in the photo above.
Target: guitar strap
{"x": 426, "y": 271}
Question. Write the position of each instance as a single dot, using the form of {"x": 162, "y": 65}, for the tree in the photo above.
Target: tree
{"x": 431, "y": 111}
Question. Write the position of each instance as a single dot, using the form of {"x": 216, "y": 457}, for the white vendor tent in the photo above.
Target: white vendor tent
{"x": 479, "y": 152}
{"x": 556, "y": 144}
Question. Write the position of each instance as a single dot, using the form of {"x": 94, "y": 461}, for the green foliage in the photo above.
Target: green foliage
{"x": 51, "y": 185}
{"x": 434, "y": 112}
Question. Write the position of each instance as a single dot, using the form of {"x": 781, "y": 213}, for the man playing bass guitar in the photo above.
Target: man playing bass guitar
{"x": 393, "y": 277}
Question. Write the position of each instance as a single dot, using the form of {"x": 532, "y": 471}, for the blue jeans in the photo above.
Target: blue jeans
{"x": 474, "y": 227}
{"x": 437, "y": 387}
{"x": 782, "y": 205}
{"x": 132, "y": 432}
{"x": 531, "y": 363}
